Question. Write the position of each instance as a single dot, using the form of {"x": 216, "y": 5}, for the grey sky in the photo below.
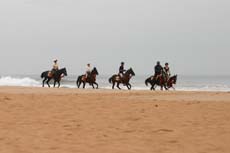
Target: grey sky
{"x": 192, "y": 35}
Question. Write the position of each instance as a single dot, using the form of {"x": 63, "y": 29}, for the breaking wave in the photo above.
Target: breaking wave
{"x": 13, "y": 81}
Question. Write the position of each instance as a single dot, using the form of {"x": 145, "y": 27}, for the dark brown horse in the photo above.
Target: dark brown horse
{"x": 122, "y": 80}
{"x": 56, "y": 76}
{"x": 91, "y": 79}
{"x": 161, "y": 82}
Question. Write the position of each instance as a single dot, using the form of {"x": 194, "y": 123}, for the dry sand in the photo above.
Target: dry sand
{"x": 42, "y": 120}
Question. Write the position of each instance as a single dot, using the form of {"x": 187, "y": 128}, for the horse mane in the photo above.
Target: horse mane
{"x": 94, "y": 69}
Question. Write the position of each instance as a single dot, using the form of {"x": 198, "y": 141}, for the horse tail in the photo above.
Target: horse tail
{"x": 110, "y": 80}
{"x": 78, "y": 80}
{"x": 43, "y": 75}
{"x": 147, "y": 81}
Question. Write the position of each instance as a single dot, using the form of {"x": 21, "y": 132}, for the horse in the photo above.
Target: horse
{"x": 160, "y": 82}
{"x": 116, "y": 78}
{"x": 91, "y": 79}
{"x": 56, "y": 76}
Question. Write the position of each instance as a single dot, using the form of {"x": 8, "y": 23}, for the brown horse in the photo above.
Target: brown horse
{"x": 124, "y": 79}
{"x": 161, "y": 82}
{"x": 91, "y": 79}
{"x": 57, "y": 77}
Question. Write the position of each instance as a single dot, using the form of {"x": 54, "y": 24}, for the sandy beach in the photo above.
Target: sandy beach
{"x": 43, "y": 120}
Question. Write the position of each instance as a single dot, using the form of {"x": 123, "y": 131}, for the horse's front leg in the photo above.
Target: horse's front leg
{"x": 161, "y": 87}
{"x": 92, "y": 85}
{"x": 129, "y": 86}
{"x": 113, "y": 85}
{"x": 54, "y": 83}
{"x": 153, "y": 86}
{"x": 96, "y": 84}
{"x": 165, "y": 88}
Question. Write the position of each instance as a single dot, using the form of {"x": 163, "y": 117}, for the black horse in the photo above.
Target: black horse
{"x": 124, "y": 79}
{"x": 160, "y": 82}
{"x": 56, "y": 76}
{"x": 91, "y": 79}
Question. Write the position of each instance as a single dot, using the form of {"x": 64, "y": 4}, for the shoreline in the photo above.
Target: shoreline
{"x": 115, "y": 90}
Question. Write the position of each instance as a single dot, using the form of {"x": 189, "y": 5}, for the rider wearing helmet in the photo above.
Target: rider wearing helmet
{"x": 158, "y": 70}
{"x": 121, "y": 69}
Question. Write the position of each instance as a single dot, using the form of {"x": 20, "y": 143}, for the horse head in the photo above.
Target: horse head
{"x": 174, "y": 79}
{"x": 130, "y": 72}
{"x": 94, "y": 71}
{"x": 63, "y": 71}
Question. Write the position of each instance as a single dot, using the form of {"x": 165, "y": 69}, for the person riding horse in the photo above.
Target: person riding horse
{"x": 55, "y": 67}
{"x": 117, "y": 79}
{"x": 88, "y": 73}
{"x": 91, "y": 78}
{"x": 121, "y": 70}
{"x": 158, "y": 71}
{"x": 166, "y": 72}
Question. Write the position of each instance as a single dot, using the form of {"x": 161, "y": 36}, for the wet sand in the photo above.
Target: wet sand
{"x": 43, "y": 120}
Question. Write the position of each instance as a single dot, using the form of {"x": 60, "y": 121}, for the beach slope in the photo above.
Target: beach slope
{"x": 42, "y": 120}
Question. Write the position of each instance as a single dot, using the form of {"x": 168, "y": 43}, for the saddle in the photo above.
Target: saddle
{"x": 84, "y": 78}
{"x": 50, "y": 74}
{"x": 157, "y": 77}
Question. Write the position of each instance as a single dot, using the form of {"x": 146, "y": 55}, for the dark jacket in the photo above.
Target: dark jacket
{"x": 121, "y": 69}
{"x": 158, "y": 69}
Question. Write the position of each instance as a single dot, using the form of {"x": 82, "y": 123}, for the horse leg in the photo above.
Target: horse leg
{"x": 54, "y": 83}
{"x": 165, "y": 87}
{"x": 96, "y": 84}
{"x": 92, "y": 85}
{"x": 79, "y": 84}
{"x": 83, "y": 85}
{"x": 59, "y": 84}
{"x": 161, "y": 87}
{"x": 47, "y": 82}
{"x": 43, "y": 82}
{"x": 151, "y": 88}
{"x": 129, "y": 86}
{"x": 118, "y": 86}
{"x": 113, "y": 85}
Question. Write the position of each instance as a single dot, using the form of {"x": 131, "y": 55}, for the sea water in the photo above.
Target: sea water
{"x": 184, "y": 83}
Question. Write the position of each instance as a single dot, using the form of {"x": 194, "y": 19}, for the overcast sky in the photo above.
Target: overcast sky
{"x": 192, "y": 35}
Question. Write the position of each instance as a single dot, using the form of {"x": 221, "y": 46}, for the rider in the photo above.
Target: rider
{"x": 121, "y": 69}
{"x": 158, "y": 70}
{"x": 166, "y": 71}
{"x": 55, "y": 67}
{"x": 88, "y": 71}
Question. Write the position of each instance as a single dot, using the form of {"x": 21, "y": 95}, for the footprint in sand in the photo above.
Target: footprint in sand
{"x": 162, "y": 130}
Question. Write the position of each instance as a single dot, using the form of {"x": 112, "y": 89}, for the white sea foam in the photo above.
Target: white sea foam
{"x": 183, "y": 84}
{"x": 13, "y": 81}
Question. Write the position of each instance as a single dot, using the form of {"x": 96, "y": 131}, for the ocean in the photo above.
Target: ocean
{"x": 184, "y": 83}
